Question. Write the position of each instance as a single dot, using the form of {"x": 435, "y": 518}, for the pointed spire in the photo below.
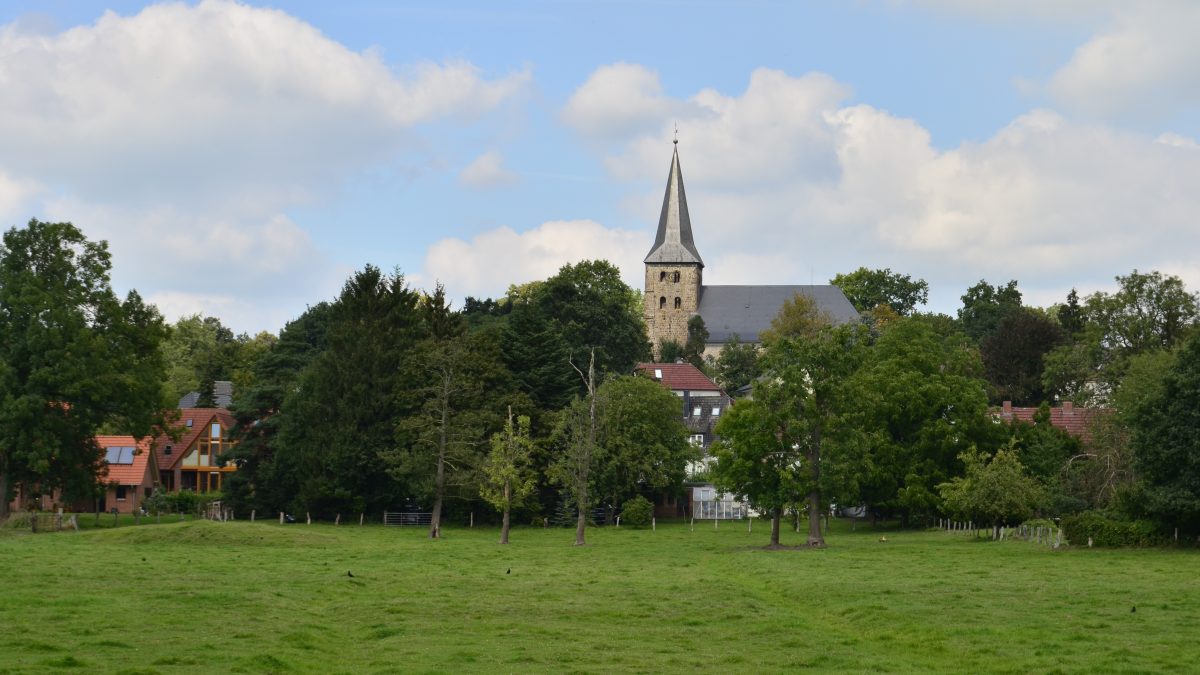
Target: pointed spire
{"x": 673, "y": 243}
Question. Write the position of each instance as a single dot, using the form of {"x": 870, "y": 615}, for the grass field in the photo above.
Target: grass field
{"x": 241, "y": 597}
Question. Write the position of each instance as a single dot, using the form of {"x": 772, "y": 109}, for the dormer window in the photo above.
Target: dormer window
{"x": 678, "y": 303}
{"x": 662, "y": 303}
{"x": 675, "y": 277}
{"x": 658, "y": 373}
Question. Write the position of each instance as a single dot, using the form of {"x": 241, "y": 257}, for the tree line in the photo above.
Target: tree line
{"x": 524, "y": 406}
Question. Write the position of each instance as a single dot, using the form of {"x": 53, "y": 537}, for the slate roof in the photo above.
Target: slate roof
{"x": 680, "y": 376}
{"x": 746, "y": 311}
{"x": 201, "y": 418}
{"x": 673, "y": 243}
{"x": 222, "y": 395}
{"x": 1075, "y": 421}
{"x": 125, "y": 474}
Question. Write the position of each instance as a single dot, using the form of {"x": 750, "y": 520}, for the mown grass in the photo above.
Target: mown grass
{"x": 200, "y": 597}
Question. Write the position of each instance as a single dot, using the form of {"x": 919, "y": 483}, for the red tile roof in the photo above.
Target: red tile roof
{"x": 201, "y": 418}
{"x": 125, "y": 474}
{"x": 680, "y": 376}
{"x": 1075, "y": 421}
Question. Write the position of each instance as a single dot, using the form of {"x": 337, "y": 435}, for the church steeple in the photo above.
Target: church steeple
{"x": 673, "y": 244}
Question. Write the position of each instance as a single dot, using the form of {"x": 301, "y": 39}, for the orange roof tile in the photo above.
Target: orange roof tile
{"x": 1075, "y": 421}
{"x": 680, "y": 376}
{"x": 125, "y": 474}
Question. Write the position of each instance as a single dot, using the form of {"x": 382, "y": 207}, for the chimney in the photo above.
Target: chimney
{"x": 1006, "y": 408}
{"x": 1068, "y": 408}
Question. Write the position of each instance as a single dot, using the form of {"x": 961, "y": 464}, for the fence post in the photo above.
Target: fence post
{"x": 472, "y": 525}
{"x": 750, "y": 525}
{"x": 281, "y": 517}
{"x": 653, "y": 524}
{"x": 618, "y": 521}
{"x": 33, "y": 521}
{"x": 360, "y": 519}
{"x": 308, "y": 517}
{"x": 252, "y": 515}
{"x": 337, "y": 521}
{"x": 692, "y": 527}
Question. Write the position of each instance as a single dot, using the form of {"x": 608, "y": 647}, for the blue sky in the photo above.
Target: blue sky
{"x": 243, "y": 159}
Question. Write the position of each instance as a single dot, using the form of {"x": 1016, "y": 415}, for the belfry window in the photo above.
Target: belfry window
{"x": 678, "y": 303}
{"x": 662, "y": 303}
{"x": 675, "y": 277}
{"x": 662, "y": 276}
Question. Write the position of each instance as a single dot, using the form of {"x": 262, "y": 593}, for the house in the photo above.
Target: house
{"x": 675, "y": 290}
{"x": 129, "y": 472}
{"x": 192, "y": 462}
{"x": 1074, "y": 421}
{"x": 702, "y": 403}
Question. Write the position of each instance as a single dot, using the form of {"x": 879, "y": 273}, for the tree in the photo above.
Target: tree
{"x": 922, "y": 398}
{"x": 1070, "y": 314}
{"x": 693, "y": 349}
{"x": 994, "y": 490}
{"x": 642, "y": 437}
{"x": 573, "y": 467}
{"x": 985, "y": 306}
{"x": 1165, "y": 439}
{"x": 792, "y": 440}
{"x": 867, "y": 289}
{"x": 1014, "y": 355}
{"x": 73, "y": 358}
{"x": 343, "y": 409}
{"x": 1148, "y": 311}
{"x": 508, "y": 479}
{"x": 736, "y": 365}
{"x": 266, "y": 480}
{"x": 799, "y": 316}
{"x": 670, "y": 351}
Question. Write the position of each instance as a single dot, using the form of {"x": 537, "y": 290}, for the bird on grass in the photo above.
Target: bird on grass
{"x": 883, "y": 540}
{"x": 509, "y": 571}
{"x": 1133, "y": 610}
{"x": 350, "y": 574}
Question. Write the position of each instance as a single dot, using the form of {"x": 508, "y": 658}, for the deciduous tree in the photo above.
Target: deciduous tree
{"x": 508, "y": 477}
{"x": 867, "y": 289}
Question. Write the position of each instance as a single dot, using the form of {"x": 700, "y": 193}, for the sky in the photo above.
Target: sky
{"x": 242, "y": 159}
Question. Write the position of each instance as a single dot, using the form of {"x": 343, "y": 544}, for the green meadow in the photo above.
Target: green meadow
{"x": 204, "y": 597}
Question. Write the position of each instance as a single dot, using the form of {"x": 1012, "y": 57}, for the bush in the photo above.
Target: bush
{"x": 1107, "y": 531}
{"x": 637, "y": 511}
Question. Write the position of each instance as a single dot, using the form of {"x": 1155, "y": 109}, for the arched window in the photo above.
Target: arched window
{"x": 662, "y": 303}
{"x": 662, "y": 276}
{"x": 678, "y": 303}
{"x": 675, "y": 277}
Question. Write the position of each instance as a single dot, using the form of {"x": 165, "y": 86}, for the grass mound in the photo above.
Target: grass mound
{"x": 205, "y": 532}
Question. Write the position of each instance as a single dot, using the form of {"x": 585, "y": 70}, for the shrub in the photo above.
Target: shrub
{"x": 637, "y": 511}
{"x": 1107, "y": 531}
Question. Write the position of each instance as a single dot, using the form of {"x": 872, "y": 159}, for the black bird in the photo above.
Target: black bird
{"x": 349, "y": 574}
{"x": 1132, "y": 610}
{"x": 509, "y": 571}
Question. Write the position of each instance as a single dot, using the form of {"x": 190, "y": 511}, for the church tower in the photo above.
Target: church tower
{"x": 673, "y": 267}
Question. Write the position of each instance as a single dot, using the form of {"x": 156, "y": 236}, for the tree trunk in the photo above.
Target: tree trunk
{"x": 778, "y": 515}
{"x": 582, "y": 491}
{"x": 439, "y": 483}
{"x": 504, "y": 523}
{"x": 815, "y": 538}
{"x": 3, "y": 492}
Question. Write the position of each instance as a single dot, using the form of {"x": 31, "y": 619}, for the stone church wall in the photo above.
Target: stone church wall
{"x": 663, "y": 320}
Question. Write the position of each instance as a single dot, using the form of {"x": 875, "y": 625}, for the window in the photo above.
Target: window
{"x": 697, "y": 440}
{"x": 716, "y": 411}
{"x": 216, "y": 430}
{"x": 167, "y": 450}
{"x": 696, "y": 411}
{"x": 662, "y": 303}
{"x": 662, "y": 276}
{"x": 678, "y": 303}
{"x": 675, "y": 277}
{"x": 658, "y": 373}
{"x": 120, "y": 493}
{"x": 188, "y": 424}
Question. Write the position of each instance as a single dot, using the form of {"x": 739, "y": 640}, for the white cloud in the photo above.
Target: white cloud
{"x": 487, "y": 264}
{"x": 786, "y": 184}
{"x": 184, "y": 134}
{"x": 487, "y": 171}
{"x": 618, "y": 100}
{"x": 1145, "y": 63}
